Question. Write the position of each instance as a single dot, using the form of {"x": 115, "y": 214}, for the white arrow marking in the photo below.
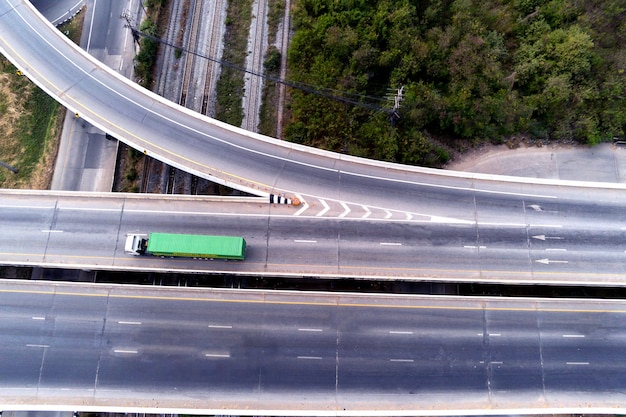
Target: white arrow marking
{"x": 544, "y": 237}
{"x": 367, "y": 212}
{"x": 305, "y": 205}
{"x": 409, "y": 216}
{"x": 547, "y": 261}
{"x": 388, "y": 216}
{"x": 324, "y": 210}
{"x": 346, "y": 208}
{"x": 535, "y": 207}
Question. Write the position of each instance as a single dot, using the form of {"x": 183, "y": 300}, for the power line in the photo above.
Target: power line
{"x": 329, "y": 93}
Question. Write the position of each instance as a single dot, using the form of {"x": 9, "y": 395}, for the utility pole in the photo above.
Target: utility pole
{"x": 129, "y": 24}
{"x": 394, "y": 114}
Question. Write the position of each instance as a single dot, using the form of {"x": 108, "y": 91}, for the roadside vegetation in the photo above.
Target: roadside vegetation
{"x": 473, "y": 71}
{"x": 229, "y": 89}
{"x": 30, "y": 124}
{"x": 271, "y": 67}
{"x": 146, "y": 58}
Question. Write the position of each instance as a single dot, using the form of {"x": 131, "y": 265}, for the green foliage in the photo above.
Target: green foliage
{"x": 146, "y": 58}
{"x": 471, "y": 70}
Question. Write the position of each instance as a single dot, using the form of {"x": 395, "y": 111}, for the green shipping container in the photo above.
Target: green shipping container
{"x": 196, "y": 246}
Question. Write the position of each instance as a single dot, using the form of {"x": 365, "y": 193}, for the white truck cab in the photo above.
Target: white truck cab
{"x": 135, "y": 244}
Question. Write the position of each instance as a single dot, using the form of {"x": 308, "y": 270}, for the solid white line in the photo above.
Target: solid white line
{"x": 577, "y": 363}
{"x": 37, "y": 346}
{"x": 220, "y": 326}
{"x": 390, "y": 244}
{"x": 305, "y": 241}
{"x": 51, "y": 231}
{"x": 26, "y": 207}
{"x": 89, "y": 209}
{"x": 38, "y": 318}
{"x": 346, "y": 209}
{"x": 310, "y": 357}
{"x": 124, "y": 351}
{"x": 129, "y": 322}
{"x": 401, "y": 360}
{"x": 324, "y": 210}
{"x": 217, "y": 355}
{"x": 95, "y": 3}
{"x": 574, "y": 335}
{"x": 309, "y": 330}
{"x": 399, "y": 332}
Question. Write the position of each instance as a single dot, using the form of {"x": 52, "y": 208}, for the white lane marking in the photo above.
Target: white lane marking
{"x": 409, "y": 216}
{"x": 220, "y": 326}
{"x": 474, "y": 247}
{"x": 37, "y": 346}
{"x": 367, "y": 212}
{"x": 574, "y": 335}
{"x": 309, "y": 330}
{"x": 495, "y": 334}
{"x": 304, "y": 207}
{"x": 556, "y": 250}
{"x": 577, "y": 363}
{"x": 217, "y": 355}
{"x": 388, "y": 215}
{"x": 310, "y": 357}
{"x": 399, "y": 332}
{"x": 305, "y": 241}
{"x": 535, "y": 207}
{"x": 324, "y": 210}
{"x": 401, "y": 360}
{"x": 390, "y": 244}
{"x": 38, "y": 318}
{"x": 547, "y": 261}
{"x": 51, "y": 231}
{"x": 558, "y": 226}
{"x": 346, "y": 209}
{"x": 544, "y": 237}
{"x": 136, "y": 323}
{"x": 496, "y": 362}
{"x": 125, "y": 351}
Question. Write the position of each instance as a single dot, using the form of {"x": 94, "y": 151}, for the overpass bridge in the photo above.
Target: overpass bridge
{"x": 540, "y": 369}
{"x": 182, "y": 350}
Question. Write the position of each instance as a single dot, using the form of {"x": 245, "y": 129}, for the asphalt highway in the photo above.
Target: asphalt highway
{"x": 87, "y": 231}
{"x": 119, "y": 346}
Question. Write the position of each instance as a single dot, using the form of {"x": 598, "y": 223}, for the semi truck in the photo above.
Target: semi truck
{"x": 187, "y": 246}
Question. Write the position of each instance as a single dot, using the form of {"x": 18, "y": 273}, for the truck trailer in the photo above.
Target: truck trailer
{"x": 187, "y": 246}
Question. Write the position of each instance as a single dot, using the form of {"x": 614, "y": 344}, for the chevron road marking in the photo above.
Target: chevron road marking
{"x": 305, "y": 205}
{"x": 367, "y": 212}
{"x": 347, "y": 209}
{"x": 324, "y": 210}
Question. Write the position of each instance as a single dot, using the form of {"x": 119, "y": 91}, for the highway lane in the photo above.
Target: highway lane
{"x": 258, "y": 164}
{"x": 302, "y": 352}
{"x": 87, "y": 231}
